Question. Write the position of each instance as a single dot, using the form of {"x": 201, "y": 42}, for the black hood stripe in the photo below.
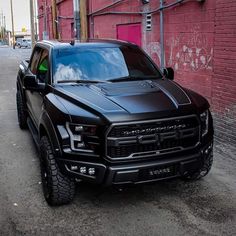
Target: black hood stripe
{"x": 174, "y": 92}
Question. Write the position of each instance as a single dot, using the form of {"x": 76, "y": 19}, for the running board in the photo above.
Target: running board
{"x": 33, "y": 131}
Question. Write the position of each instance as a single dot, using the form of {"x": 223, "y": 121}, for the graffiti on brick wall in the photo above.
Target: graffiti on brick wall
{"x": 154, "y": 50}
{"x": 190, "y": 54}
{"x": 185, "y": 53}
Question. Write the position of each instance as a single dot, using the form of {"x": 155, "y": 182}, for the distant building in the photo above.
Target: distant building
{"x": 20, "y": 34}
{"x": 199, "y": 42}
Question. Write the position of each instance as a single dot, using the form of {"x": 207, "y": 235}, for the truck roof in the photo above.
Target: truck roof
{"x": 88, "y": 43}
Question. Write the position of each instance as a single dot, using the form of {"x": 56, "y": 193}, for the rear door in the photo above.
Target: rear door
{"x": 130, "y": 33}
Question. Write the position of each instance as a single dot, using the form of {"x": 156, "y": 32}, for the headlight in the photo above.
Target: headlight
{"x": 204, "y": 117}
{"x": 79, "y": 134}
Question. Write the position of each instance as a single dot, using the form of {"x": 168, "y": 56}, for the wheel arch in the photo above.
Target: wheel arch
{"x": 46, "y": 128}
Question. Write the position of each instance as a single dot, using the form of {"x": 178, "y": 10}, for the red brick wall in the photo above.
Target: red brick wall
{"x": 189, "y": 42}
{"x": 189, "y": 37}
{"x": 41, "y": 12}
{"x": 224, "y": 68}
{"x": 65, "y": 13}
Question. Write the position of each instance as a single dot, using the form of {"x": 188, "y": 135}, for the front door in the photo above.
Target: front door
{"x": 35, "y": 98}
{"x": 130, "y": 33}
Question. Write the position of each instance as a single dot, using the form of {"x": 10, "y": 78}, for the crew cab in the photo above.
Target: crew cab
{"x": 101, "y": 111}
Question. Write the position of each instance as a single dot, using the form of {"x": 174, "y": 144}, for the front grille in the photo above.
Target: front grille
{"x": 152, "y": 138}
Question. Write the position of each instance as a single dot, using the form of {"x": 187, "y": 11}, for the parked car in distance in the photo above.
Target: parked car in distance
{"x": 23, "y": 43}
{"x": 101, "y": 111}
{"x": 26, "y": 43}
{"x": 18, "y": 42}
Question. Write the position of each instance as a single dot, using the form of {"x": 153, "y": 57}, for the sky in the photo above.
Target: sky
{"x": 21, "y": 13}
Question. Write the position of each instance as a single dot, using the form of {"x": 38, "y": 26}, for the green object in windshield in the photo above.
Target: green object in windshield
{"x": 43, "y": 67}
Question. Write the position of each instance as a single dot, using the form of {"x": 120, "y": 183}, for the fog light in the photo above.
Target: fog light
{"x": 91, "y": 171}
{"x": 78, "y": 144}
{"x": 83, "y": 170}
{"x": 74, "y": 167}
{"x": 77, "y": 137}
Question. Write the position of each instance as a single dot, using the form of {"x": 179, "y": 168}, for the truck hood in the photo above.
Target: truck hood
{"x": 146, "y": 96}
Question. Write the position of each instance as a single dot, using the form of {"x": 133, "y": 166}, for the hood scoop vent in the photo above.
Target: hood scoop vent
{"x": 128, "y": 88}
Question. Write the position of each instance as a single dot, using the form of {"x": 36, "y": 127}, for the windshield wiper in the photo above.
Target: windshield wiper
{"x": 82, "y": 81}
{"x": 133, "y": 78}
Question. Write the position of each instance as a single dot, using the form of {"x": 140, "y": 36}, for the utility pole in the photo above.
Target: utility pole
{"x": 54, "y": 19}
{"x": 32, "y": 23}
{"x": 1, "y": 27}
{"x": 162, "y": 36}
{"x": 4, "y": 27}
{"x": 12, "y": 25}
{"x": 83, "y": 20}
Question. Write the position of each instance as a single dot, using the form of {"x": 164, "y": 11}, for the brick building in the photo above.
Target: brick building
{"x": 199, "y": 42}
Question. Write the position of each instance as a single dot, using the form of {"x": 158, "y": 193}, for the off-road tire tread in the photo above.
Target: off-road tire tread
{"x": 61, "y": 187}
{"x": 22, "y": 115}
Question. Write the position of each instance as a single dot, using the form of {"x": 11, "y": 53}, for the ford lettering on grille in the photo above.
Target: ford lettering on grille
{"x": 153, "y": 130}
{"x": 154, "y": 138}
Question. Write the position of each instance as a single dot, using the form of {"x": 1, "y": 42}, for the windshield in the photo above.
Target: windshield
{"x": 102, "y": 64}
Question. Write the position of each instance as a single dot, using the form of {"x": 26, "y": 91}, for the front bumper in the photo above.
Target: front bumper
{"x": 135, "y": 173}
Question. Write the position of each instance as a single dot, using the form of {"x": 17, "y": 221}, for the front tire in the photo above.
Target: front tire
{"x": 21, "y": 113}
{"x": 58, "y": 189}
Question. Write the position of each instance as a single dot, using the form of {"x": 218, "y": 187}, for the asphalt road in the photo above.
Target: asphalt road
{"x": 206, "y": 207}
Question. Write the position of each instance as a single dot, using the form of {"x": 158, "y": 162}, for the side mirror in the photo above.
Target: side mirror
{"x": 169, "y": 73}
{"x": 31, "y": 83}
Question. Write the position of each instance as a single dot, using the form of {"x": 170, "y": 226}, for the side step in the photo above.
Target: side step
{"x": 33, "y": 131}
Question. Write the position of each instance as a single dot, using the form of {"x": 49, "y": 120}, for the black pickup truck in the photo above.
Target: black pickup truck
{"x": 101, "y": 111}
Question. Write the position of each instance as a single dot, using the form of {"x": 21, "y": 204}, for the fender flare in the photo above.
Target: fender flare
{"x": 46, "y": 125}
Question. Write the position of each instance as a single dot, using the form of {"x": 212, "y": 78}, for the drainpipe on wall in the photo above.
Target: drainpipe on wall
{"x": 45, "y": 32}
{"x": 35, "y": 19}
{"x": 76, "y": 7}
{"x": 162, "y": 36}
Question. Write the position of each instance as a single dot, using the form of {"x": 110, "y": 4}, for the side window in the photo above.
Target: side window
{"x": 43, "y": 67}
{"x": 35, "y": 60}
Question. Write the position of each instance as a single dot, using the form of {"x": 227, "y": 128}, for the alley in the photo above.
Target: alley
{"x": 205, "y": 207}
